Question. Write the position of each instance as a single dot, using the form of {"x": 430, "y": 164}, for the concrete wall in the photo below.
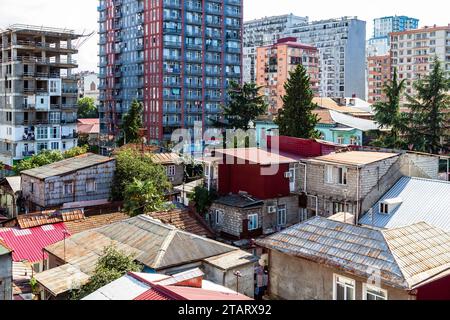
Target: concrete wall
{"x": 233, "y": 219}
{"x": 50, "y": 193}
{"x": 178, "y": 178}
{"x": 292, "y": 278}
{"x": 6, "y": 277}
{"x": 227, "y": 278}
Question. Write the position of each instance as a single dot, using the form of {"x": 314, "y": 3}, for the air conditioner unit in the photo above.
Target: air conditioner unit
{"x": 288, "y": 175}
{"x": 271, "y": 209}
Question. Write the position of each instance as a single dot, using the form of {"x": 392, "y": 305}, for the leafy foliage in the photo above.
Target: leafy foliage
{"x": 203, "y": 199}
{"x": 112, "y": 265}
{"x": 132, "y": 123}
{"x": 131, "y": 165}
{"x": 87, "y": 108}
{"x": 296, "y": 118}
{"x": 428, "y": 119}
{"x": 388, "y": 115}
{"x": 143, "y": 197}
{"x": 46, "y": 157}
{"x": 245, "y": 105}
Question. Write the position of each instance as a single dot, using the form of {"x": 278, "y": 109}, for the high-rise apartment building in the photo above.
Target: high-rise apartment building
{"x": 276, "y": 61}
{"x": 175, "y": 56}
{"x": 342, "y": 50}
{"x": 413, "y": 52}
{"x": 38, "y": 103}
{"x": 379, "y": 44}
{"x": 378, "y": 75}
{"x": 263, "y": 32}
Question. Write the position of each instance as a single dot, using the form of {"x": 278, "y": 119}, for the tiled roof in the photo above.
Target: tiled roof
{"x": 67, "y": 166}
{"x": 324, "y": 116}
{"x": 356, "y": 157}
{"x": 48, "y": 217}
{"x": 183, "y": 220}
{"x": 405, "y": 258}
{"x": 94, "y": 222}
{"x": 421, "y": 200}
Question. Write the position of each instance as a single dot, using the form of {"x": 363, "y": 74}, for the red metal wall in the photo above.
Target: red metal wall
{"x": 437, "y": 290}
{"x": 302, "y": 147}
{"x": 248, "y": 178}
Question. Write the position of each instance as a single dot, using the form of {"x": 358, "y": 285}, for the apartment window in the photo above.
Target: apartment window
{"x": 91, "y": 185}
{"x": 219, "y": 217}
{"x": 343, "y": 175}
{"x": 253, "y": 222}
{"x": 54, "y": 145}
{"x": 343, "y": 288}
{"x": 8, "y": 116}
{"x": 170, "y": 170}
{"x": 68, "y": 188}
{"x": 329, "y": 174}
{"x": 374, "y": 293}
{"x": 282, "y": 215}
{"x": 384, "y": 208}
{"x": 42, "y": 133}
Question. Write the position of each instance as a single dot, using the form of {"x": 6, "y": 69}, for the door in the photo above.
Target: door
{"x": 292, "y": 180}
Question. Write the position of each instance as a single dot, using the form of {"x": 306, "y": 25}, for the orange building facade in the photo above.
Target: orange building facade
{"x": 274, "y": 64}
{"x": 379, "y": 75}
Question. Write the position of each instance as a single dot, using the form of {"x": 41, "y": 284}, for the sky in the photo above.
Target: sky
{"x": 81, "y": 15}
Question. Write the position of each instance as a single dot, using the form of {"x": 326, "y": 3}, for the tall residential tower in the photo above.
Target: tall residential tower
{"x": 38, "y": 103}
{"x": 175, "y": 56}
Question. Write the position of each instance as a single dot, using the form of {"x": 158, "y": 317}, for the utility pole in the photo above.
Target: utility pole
{"x": 237, "y": 275}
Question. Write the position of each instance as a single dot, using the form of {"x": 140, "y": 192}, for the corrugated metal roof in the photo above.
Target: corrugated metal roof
{"x": 67, "y": 166}
{"x": 353, "y": 122}
{"x": 406, "y": 257}
{"x": 231, "y": 259}
{"x": 166, "y": 158}
{"x": 240, "y": 201}
{"x": 355, "y": 157}
{"x": 347, "y": 247}
{"x": 28, "y": 243}
{"x": 124, "y": 288}
{"x": 154, "y": 244}
{"x": 422, "y": 200}
{"x": 14, "y": 183}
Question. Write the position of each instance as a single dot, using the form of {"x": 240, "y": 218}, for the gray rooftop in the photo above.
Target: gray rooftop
{"x": 353, "y": 122}
{"x": 240, "y": 201}
{"x": 406, "y": 258}
{"x": 67, "y": 166}
{"x": 154, "y": 244}
{"x": 421, "y": 200}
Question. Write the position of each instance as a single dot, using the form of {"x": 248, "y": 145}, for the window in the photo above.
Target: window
{"x": 373, "y": 293}
{"x": 384, "y": 208}
{"x": 343, "y": 176}
{"x": 329, "y": 174}
{"x": 32, "y": 187}
{"x": 91, "y": 186}
{"x": 51, "y": 186}
{"x": 68, "y": 188}
{"x": 54, "y": 145}
{"x": 42, "y": 133}
{"x": 219, "y": 217}
{"x": 253, "y": 222}
{"x": 343, "y": 288}
{"x": 171, "y": 170}
{"x": 282, "y": 215}
{"x": 340, "y": 140}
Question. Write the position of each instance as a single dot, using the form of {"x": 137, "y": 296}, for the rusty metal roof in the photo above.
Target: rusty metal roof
{"x": 405, "y": 258}
{"x": 154, "y": 244}
{"x": 48, "y": 217}
{"x": 67, "y": 166}
{"x": 355, "y": 157}
{"x": 166, "y": 158}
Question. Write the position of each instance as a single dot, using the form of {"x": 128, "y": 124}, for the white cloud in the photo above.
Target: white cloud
{"x": 82, "y": 14}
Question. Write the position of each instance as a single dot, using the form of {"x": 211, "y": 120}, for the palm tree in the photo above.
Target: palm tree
{"x": 388, "y": 115}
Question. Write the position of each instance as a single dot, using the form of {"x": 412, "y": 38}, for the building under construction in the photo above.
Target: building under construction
{"x": 38, "y": 102}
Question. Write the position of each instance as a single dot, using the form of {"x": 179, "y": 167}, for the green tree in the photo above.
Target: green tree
{"x": 112, "y": 265}
{"x": 46, "y": 157}
{"x": 132, "y": 123}
{"x": 43, "y": 158}
{"x": 388, "y": 115}
{"x": 296, "y": 118}
{"x": 203, "y": 199}
{"x": 131, "y": 165}
{"x": 87, "y": 108}
{"x": 429, "y": 118}
{"x": 143, "y": 197}
{"x": 75, "y": 152}
{"x": 245, "y": 105}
